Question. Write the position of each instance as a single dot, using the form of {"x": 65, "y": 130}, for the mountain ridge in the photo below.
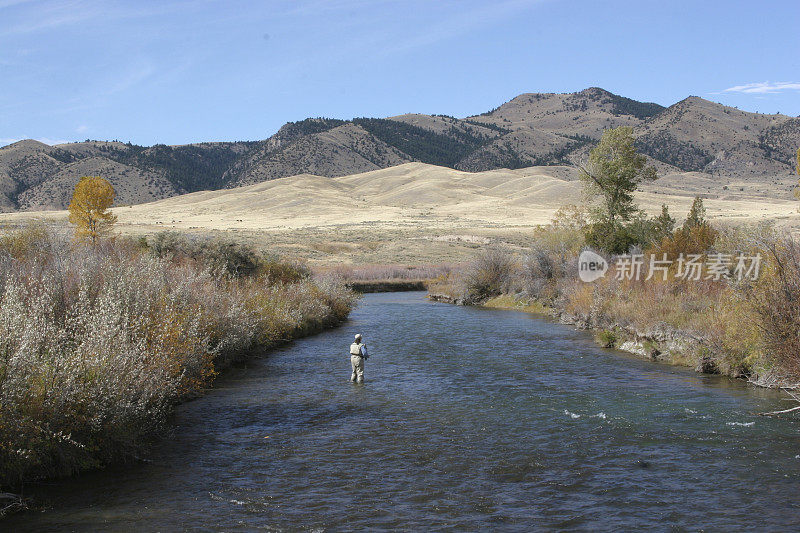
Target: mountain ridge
{"x": 531, "y": 129}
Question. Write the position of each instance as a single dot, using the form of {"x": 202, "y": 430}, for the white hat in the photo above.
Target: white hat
{"x": 358, "y": 336}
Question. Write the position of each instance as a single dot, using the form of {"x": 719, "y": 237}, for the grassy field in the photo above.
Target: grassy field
{"x": 417, "y": 214}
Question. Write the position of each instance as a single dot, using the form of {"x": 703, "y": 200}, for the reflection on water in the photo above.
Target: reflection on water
{"x": 470, "y": 419}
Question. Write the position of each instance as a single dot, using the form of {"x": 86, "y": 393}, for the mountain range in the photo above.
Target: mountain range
{"x": 533, "y": 129}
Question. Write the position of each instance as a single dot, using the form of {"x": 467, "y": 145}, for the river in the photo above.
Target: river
{"x": 470, "y": 419}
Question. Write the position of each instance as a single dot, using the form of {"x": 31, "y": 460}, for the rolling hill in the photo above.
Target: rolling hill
{"x": 535, "y": 129}
{"x": 414, "y": 212}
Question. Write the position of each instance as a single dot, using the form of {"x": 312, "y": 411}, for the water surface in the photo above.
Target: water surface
{"x": 470, "y": 419}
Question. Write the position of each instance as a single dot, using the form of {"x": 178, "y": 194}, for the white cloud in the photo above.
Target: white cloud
{"x": 463, "y": 22}
{"x": 133, "y": 75}
{"x": 764, "y": 87}
{"x": 53, "y": 14}
{"x": 9, "y": 3}
{"x": 82, "y": 128}
{"x": 50, "y": 15}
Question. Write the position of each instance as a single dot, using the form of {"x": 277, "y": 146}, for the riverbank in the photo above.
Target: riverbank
{"x": 99, "y": 343}
{"x": 660, "y": 343}
{"x": 741, "y": 328}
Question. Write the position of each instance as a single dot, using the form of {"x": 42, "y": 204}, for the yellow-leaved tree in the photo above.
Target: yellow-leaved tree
{"x": 88, "y": 209}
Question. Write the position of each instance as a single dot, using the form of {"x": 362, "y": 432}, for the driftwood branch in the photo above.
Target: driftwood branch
{"x": 11, "y": 503}
{"x": 794, "y": 397}
{"x": 771, "y": 413}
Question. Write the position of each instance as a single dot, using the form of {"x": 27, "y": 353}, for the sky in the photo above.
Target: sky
{"x": 178, "y": 72}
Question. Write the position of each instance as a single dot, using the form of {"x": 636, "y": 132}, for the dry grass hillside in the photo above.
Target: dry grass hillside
{"x": 132, "y": 185}
{"x": 416, "y": 213}
{"x": 691, "y": 135}
{"x": 533, "y": 129}
{"x": 444, "y": 125}
{"x": 22, "y": 164}
{"x": 342, "y": 150}
{"x": 517, "y": 147}
{"x": 34, "y": 175}
{"x": 696, "y": 134}
{"x": 585, "y": 113}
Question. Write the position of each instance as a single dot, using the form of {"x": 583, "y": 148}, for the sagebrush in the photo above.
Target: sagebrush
{"x": 97, "y": 342}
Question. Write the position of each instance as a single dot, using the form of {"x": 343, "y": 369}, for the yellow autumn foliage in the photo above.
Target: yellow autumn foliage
{"x": 89, "y": 208}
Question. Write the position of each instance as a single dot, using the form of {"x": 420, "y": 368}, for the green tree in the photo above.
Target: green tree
{"x": 648, "y": 232}
{"x": 663, "y": 224}
{"x": 696, "y": 236}
{"x": 697, "y": 215}
{"x": 640, "y": 230}
{"x": 88, "y": 209}
{"x": 613, "y": 173}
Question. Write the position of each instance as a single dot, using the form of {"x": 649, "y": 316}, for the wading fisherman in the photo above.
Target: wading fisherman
{"x": 358, "y": 354}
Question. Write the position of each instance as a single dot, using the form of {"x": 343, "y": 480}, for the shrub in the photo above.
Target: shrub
{"x": 226, "y": 257}
{"x": 607, "y": 338}
{"x": 541, "y": 270}
{"x": 488, "y": 275}
{"x": 540, "y": 264}
{"x": 372, "y": 272}
{"x": 553, "y": 257}
{"x": 168, "y": 244}
{"x": 691, "y": 240}
{"x": 746, "y": 328}
{"x": 97, "y": 343}
{"x": 276, "y": 270}
{"x": 20, "y": 242}
{"x": 570, "y": 216}
{"x": 775, "y": 297}
{"x": 612, "y": 238}
{"x": 696, "y": 236}
{"x": 221, "y": 256}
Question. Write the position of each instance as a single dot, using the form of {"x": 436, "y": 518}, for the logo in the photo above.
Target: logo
{"x": 695, "y": 267}
{"x": 591, "y": 266}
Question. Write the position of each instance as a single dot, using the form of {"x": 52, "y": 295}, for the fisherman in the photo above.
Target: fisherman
{"x": 358, "y": 354}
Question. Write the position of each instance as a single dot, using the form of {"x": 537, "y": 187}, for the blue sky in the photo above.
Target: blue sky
{"x": 178, "y": 72}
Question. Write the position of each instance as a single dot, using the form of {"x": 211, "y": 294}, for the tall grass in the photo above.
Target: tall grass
{"x": 356, "y": 273}
{"x": 97, "y": 343}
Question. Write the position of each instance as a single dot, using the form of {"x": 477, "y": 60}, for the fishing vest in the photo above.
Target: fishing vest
{"x": 355, "y": 349}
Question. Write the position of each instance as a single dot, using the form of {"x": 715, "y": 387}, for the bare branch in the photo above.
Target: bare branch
{"x": 594, "y": 178}
{"x": 771, "y": 413}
